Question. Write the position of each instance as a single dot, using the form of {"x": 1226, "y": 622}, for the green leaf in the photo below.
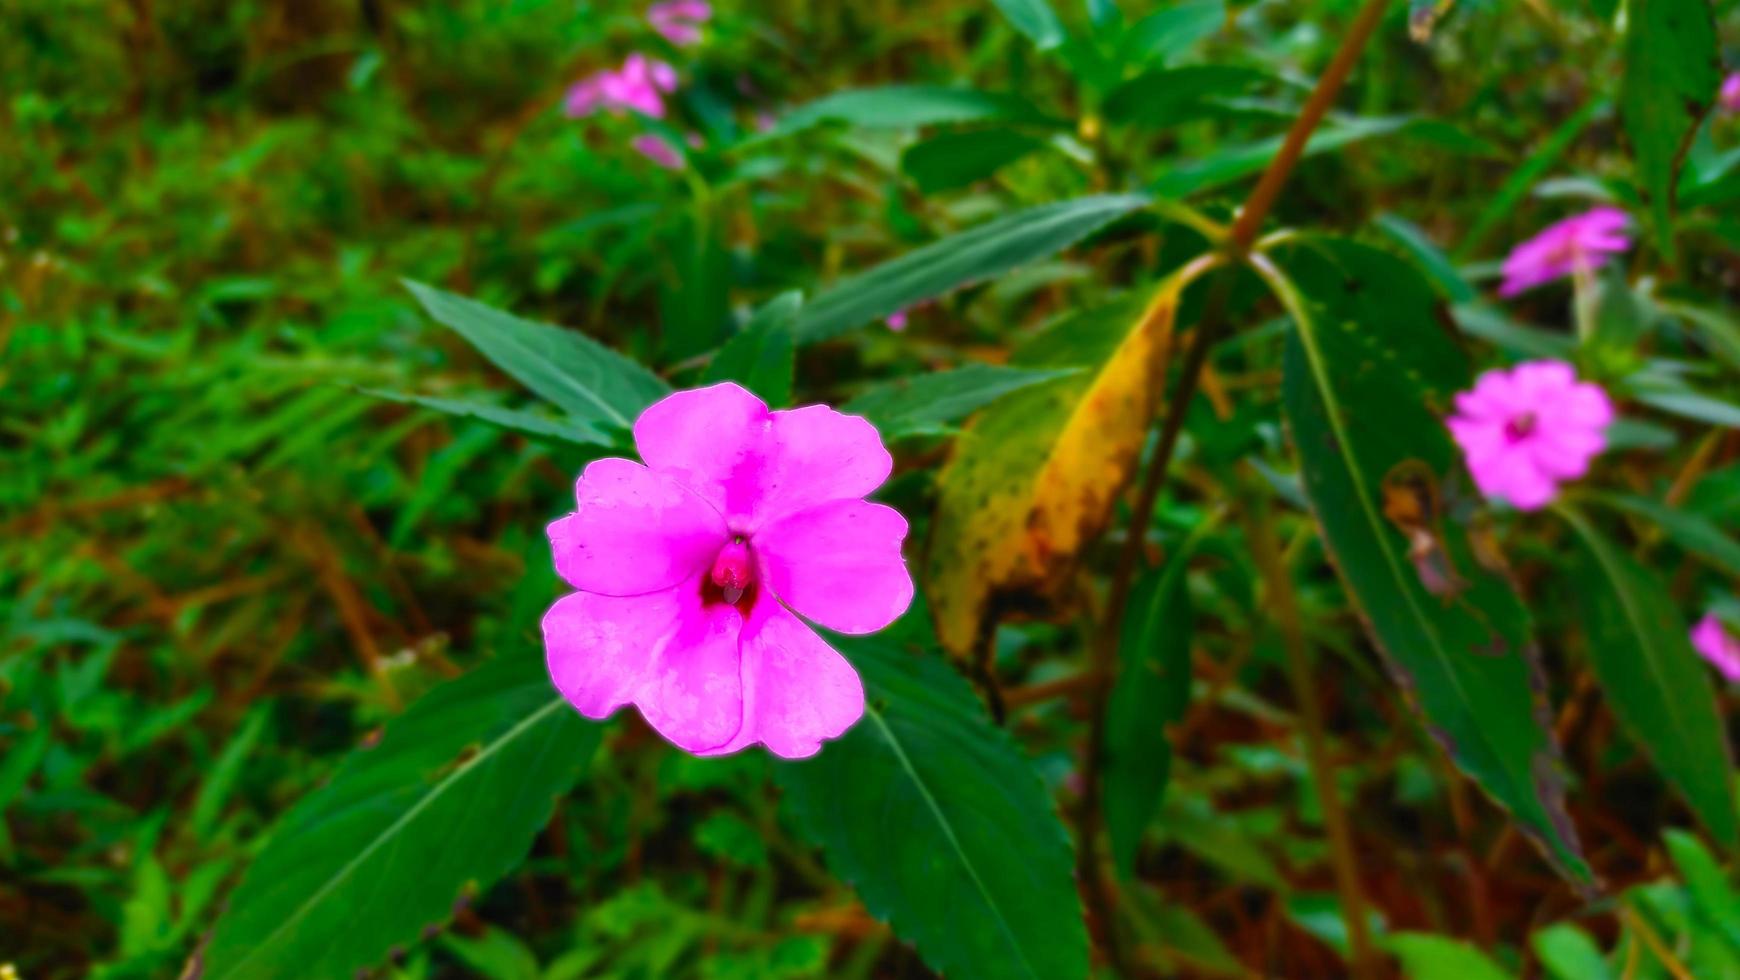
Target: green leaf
{"x": 925, "y": 404}
{"x": 694, "y": 301}
{"x": 589, "y": 381}
{"x": 497, "y": 954}
{"x": 941, "y": 824}
{"x": 221, "y": 776}
{"x": 1242, "y": 160}
{"x": 507, "y": 418}
{"x": 1171, "y": 31}
{"x": 1427, "y": 255}
{"x": 1690, "y": 531}
{"x": 1168, "y": 96}
{"x": 906, "y": 107}
{"x": 1369, "y": 346}
{"x": 1688, "y": 404}
{"x": 449, "y": 800}
{"x": 1036, "y": 19}
{"x": 1714, "y": 898}
{"x": 1429, "y": 957}
{"x": 1568, "y": 953}
{"x": 1642, "y": 654}
{"x": 1672, "y": 69}
{"x": 974, "y": 255}
{"x": 763, "y": 354}
{"x": 1504, "y": 204}
{"x": 951, "y": 160}
{"x": 1152, "y": 690}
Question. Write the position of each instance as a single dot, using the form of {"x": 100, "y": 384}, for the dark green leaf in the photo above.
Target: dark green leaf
{"x": 1427, "y": 255}
{"x": 450, "y": 799}
{"x": 694, "y": 302}
{"x": 1036, "y": 19}
{"x": 1167, "y": 96}
{"x": 1672, "y": 69}
{"x": 1688, "y": 530}
{"x": 1369, "y": 346}
{"x": 763, "y": 354}
{"x": 1171, "y": 31}
{"x": 1504, "y": 204}
{"x": 1642, "y": 654}
{"x": 934, "y": 815}
{"x": 508, "y": 418}
{"x": 928, "y": 403}
{"x": 906, "y": 107}
{"x": 1243, "y": 160}
{"x": 974, "y": 255}
{"x": 1152, "y": 690}
{"x": 577, "y": 374}
{"x": 950, "y": 160}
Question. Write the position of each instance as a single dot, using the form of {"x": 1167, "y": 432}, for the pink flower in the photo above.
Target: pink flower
{"x": 1718, "y": 644}
{"x": 1526, "y": 430}
{"x": 1729, "y": 98}
{"x": 1580, "y": 243}
{"x": 692, "y": 571}
{"x": 638, "y": 85}
{"x": 656, "y": 149}
{"x": 897, "y": 321}
{"x": 679, "y": 21}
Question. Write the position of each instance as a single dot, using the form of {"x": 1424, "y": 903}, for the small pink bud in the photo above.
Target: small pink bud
{"x": 731, "y": 570}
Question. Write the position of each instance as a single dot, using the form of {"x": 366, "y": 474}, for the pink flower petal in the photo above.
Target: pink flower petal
{"x": 799, "y": 690}
{"x": 671, "y": 656}
{"x": 625, "y": 509}
{"x": 839, "y": 564}
{"x": 755, "y": 465}
{"x": 1718, "y": 645}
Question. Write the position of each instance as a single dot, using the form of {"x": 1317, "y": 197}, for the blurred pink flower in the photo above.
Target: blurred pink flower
{"x": 638, "y": 85}
{"x": 1729, "y": 99}
{"x": 692, "y": 571}
{"x": 1580, "y": 243}
{"x": 1526, "y": 430}
{"x": 897, "y": 321}
{"x": 1718, "y": 644}
{"x": 679, "y": 21}
{"x": 659, "y": 151}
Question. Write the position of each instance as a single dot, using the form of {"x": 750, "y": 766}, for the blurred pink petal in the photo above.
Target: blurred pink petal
{"x": 656, "y": 149}
{"x": 1580, "y": 243}
{"x": 1527, "y": 430}
{"x": 897, "y": 321}
{"x": 679, "y": 21}
{"x": 690, "y": 569}
{"x": 1729, "y": 98}
{"x": 636, "y": 86}
{"x": 1716, "y": 643}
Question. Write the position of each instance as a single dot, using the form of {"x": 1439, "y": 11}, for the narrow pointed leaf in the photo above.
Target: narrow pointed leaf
{"x": 967, "y": 257}
{"x": 941, "y": 824}
{"x": 1642, "y": 653}
{"x": 1366, "y": 371}
{"x": 508, "y": 418}
{"x": 449, "y": 800}
{"x": 928, "y": 403}
{"x": 762, "y": 355}
{"x": 1036, "y": 19}
{"x": 1672, "y": 69}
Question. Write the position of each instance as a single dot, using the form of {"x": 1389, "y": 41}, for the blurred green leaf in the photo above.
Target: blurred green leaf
{"x": 1672, "y": 69}
{"x": 949, "y": 161}
{"x": 1036, "y": 19}
{"x": 1151, "y": 692}
{"x": 1368, "y": 346}
{"x": 1642, "y": 653}
{"x": 1568, "y": 953}
{"x": 1428, "y": 957}
{"x": 762, "y": 355}
{"x": 1688, "y": 530}
{"x": 1427, "y": 255}
{"x": 1715, "y": 899}
{"x": 925, "y": 404}
{"x": 1168, "y": 96}
{"x": 449, "y": 800}
{"x": 979, "y": 253}
{"x": 507, "y": 418}
{"x": 495, "y": 955}
{"x": 1689, "y": 404}
{"x": 1241, "y": 160}
{"x": 906, "y": 107}
{"x": 942, "y": 825}
{"x": 220, "y": 779}
{"x": 593, "y": 383}
{"x": 1503, "y": 204}
{"x": 1172, "y": 30}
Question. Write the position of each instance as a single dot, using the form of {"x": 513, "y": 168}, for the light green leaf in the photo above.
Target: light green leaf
{"x": 534, "y": 425}
{"x": 1569, "y": 954}
{"x": 925, "y": 404}
{"x": 1690, "y": 531}
{"x": 1713, "y": 897}
{"x": 1172, "y": 30}
{"x": 449, "y": 800}
{"x": 951, "y": 160}
{"x": 1368, "y": 346}
{"x": 1672, "y": 69}
{"x": 1429, "y": 957}
{"x": 941, "y": 824}
{"x": 906, "y": 107}
{"x": 1036, "y": 19}
{"x": 974, "y": 255}
{"x": 577, "y": 374}
{"x": 1688, "y": 404}
{"x": 1642, "y": 653}
{"x": 763, "y": 354}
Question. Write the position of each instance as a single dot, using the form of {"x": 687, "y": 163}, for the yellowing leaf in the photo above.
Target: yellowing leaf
{"x": 1034, "y": 477}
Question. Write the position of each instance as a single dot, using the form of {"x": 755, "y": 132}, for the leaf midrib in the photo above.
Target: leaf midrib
{"x": 435, "y": 791}
{"x": 949, "y": 832}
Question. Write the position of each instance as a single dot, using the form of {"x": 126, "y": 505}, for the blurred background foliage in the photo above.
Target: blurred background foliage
{"x": 224, "y": 563}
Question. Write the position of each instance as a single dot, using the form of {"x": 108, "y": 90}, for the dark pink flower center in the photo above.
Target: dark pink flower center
{"x": 733, "y": 571}
{"x": 1519, "y": 427}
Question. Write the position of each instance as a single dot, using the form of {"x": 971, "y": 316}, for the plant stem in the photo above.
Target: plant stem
{"x": 1103, "y": 655}
{"x": 1284, "y": 603}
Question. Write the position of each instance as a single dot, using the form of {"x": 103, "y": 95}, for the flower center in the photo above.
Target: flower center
{"x": 1519, "y": 427}
{"x": 733, "y": 572}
